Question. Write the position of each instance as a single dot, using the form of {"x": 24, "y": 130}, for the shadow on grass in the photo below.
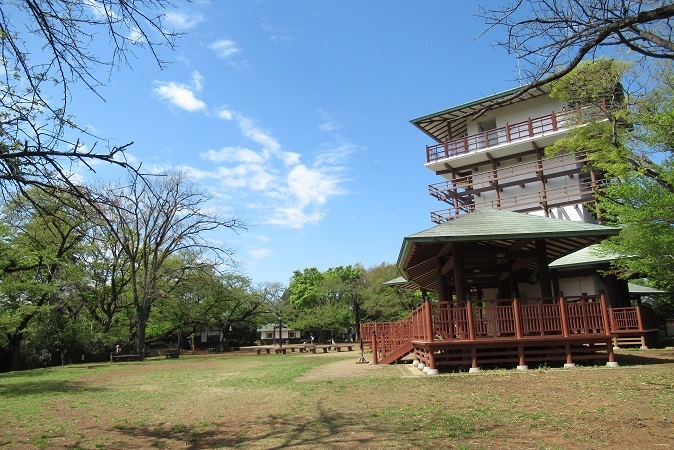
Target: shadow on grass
{"x": 271, "y": 432}
{"x": 635, "y": 359}
{"x": 44, "y": 388}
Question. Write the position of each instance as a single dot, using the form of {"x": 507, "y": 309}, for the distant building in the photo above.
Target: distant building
{"x": 269, "y": 335}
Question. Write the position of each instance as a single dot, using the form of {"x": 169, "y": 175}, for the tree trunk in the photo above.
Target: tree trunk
{"x": 14, "y": 353}
{"x": 142, "y": 315}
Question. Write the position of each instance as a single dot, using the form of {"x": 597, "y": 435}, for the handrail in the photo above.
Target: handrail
{"x": 527, "y": 201}
{"x": 493, "y": 319}
{"x": 530, "y": 128}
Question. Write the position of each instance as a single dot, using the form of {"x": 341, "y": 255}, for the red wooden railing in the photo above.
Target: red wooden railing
{"x": 492, "y": 319}
{"x": 530, "y": 128}
{"x": 538, "y": 126}
{"x": 634, "y": 318}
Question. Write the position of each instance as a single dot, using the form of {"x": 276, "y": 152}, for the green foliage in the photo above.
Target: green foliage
{"x": 631, "y": 145}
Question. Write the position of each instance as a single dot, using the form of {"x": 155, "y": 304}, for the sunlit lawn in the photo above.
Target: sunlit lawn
{"x": 257, "y": 402}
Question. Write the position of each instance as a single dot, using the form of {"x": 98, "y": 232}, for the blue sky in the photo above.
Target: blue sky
{"x": 295, "y": 115}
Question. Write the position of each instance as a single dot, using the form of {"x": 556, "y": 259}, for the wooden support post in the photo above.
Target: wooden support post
{"x": 375, "y": 357}
{"x": 473, "y": 358}
{"x": 428, "y": 321}
{"x": 569, "y": 356}
{"x": 520, "y": 354}
{"x": 553, "y": 117}
{"x": 531, "y": 127}
{"x": 564, "y": 315}
{"x": 543, "y": 271}
{"x": 518, "y": 319}
{"x": 640, "y": 322}
{"x": 471, "y": 321}
{"x": 611, "y": 355}
{"x": 604, "y": 313}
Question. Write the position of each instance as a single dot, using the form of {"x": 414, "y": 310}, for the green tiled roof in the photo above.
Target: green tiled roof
{"x": 588, "y": 256}
{"x": 494, "y": 224}
{"x": 643, "y": 290}
{"x": 495, "y": 231}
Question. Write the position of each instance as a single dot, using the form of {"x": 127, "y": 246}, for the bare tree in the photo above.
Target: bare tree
{"x": 161, "y": 224}
{"x": 551, "y": 37}
{"x": 45, "y": 47}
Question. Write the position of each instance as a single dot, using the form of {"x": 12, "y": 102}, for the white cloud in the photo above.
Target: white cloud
{"x": 287, "y": 191}
{"x": 233, "y": 154}
{"x": 328, "y": 123}
{"x": 257, "y": 135}
{"x": 181, "y": 95}
{"x": 260, "y": 253}
{"x": 224, "y": 48}
{"x": 279, "y": 35}
{"x": 225, "y": 114}
{"x": 181, "y": 21}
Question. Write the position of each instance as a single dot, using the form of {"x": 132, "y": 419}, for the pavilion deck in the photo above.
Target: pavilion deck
{"x": 505, "y": 332}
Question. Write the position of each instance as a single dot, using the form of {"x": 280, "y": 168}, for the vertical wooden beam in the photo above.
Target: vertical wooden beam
{"x": 375, "y": 356}
{"x": 428, "y": 321}
{"x": 564, "y": 315}
{"x": 443, "y": 291}
{"x": 459, "y": 272}
{"x": 543, "y": 270}
{"x": 518, "y": 319}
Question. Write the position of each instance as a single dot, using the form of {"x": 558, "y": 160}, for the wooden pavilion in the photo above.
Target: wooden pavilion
{"x": 498, "y": 301}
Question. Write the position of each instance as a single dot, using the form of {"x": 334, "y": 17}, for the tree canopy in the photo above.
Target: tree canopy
{"x": 550, "y": 38}
{"x": 47, "y": 46}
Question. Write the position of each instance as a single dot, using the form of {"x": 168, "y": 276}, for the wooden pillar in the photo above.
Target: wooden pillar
{"x": 459, "y": 272}
{"x": 428, "y": 321}
{"x": 443, "y": 290}
{"x": 564, "y": 315}
{"x": 375, "y": 357}
{"x": 518, "y": 318}
{"x": 604, "y": 313}
{"x": 612, "y": 291}
{"x": 569, "y": 356}
{"x": 555, "y": 282}
{"x": 543, "y": 270}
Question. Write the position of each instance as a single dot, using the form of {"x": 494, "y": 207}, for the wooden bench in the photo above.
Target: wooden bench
{"x": 259, "y": 350}
{"x": 172, "y": 354}
{"x": 212, "y": 350}
{"x": 280, "y": 350}
{"x": 338, "y": 347}
{"x": 118, "y": 358}
{"x": 324, "y": 348}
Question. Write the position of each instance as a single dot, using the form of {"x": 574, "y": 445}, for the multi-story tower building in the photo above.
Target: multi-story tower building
{"x": 509, "y": 256}
{"x": 497, "y": 160}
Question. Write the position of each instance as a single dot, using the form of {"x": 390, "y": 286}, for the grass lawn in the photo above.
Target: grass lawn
{"x": 306, "y": 401}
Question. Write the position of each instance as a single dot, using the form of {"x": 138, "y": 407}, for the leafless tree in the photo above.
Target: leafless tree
{"x": 45, "y": 47}
{"x": 551, "y": 37}
{"x": 161, "y": 224}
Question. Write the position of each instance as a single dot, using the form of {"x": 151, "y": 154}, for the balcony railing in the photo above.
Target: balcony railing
{"x": 493, "y": 319}
{"x": 530, "y": 128}
{"x": 527, "y": 201}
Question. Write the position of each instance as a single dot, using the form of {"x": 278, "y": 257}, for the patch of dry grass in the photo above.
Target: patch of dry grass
{"x": 262, "y": 402}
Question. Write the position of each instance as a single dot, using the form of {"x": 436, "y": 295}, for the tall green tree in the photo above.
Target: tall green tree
{"x": 631, "y": 143}
{"x": 38, "y": 253}
{"x": 383, "y": 303}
